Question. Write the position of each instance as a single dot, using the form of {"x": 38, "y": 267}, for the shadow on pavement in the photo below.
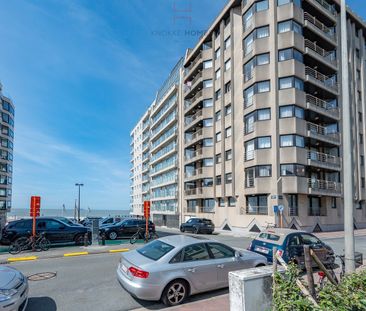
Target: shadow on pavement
{"x": 158, "y": 305}
{"x": 41, "y": 304}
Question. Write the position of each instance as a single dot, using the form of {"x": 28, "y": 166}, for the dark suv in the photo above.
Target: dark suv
{"x": 56, "y": 230}
{"x": 125, "y": 228}
{"x": 198, "y": 225}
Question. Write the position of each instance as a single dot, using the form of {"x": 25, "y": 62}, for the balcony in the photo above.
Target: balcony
{"x": 323, "y": 81}
{"x": 193, "y": 101}
{"x": 194, "y": 156}
{"x": 321, "y": 133}
{"x": 326, "y": 8}
{"x": 196, "y": 174}
{"x": 196, "y": 117}
{"x": 314, "y": 24}
{"x": 324, "y": 160}
{"x": 193, "y": 66}
{"x": 192, "y": 192}
{"x": 327, "y": 57}
{"x": 145, "y": 146}
{"x": 324, "y": 187}
{"x": 191, "y": 85}
{"x": 193, "y": 138}
{"x": 322, "y": 107}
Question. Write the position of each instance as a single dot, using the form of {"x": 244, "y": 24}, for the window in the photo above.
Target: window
{"x": 258, "y": 33}
{"x": 207, "y": 83}
{"x": 293, "y": 209}
{"x": 207, "y": 64}
{"x": 218, "y": 180}
{"x": 289, "y": 25}
{"x": 264, "y": 171}
{"x": 177, "y": 258}
{"x": 218, "y": 137}
{"x": 227, "y": 64}
{"x": 194, "y": 252}
{"x": 228, "y": 132}
{"x": 315, "y": 207}
{"x": 218, "y": 158}
{"x": 292, "y": 170}
{"x": 262, "y": 32}
{"x": 221, "y": 201}
{"x": 291, "y": 111}
{"x": 232, "y": 201}
{"x": 257, "y": 204}
{"x": 207, "y": 122}
{"x": 359, "y": 95}
{"x": 256, "y": 7}
{"x": 228, "y": 87}
{"x": 283, "y": 2}
{"x": 207, "y": 182}
{"x": 218, "y": 74}
{"x": 292, "y": 141}
{"x": 249, "y": 149}
{"x": 361, "y": 139}
{"x": 357, "y": 53}
{"x": 290, "y": 82}
{"x": 264, "y": 114}
{"x": 228, "y": 178}
{"x": 262, "y": 59}
{"x": 360, "y": 116}
{"x": 333, "y": 203}
{"x": 362, "y": 160}
{"x": 208, "y": 205}
{"x": 263, "y": 87}
{"x": 218, "y": 115}
{"x": 207, "y": 162}
{"x": 221, "y": 251}
{"x": 358, "y": 72}
{"x": 217, "y": 53}
{"x": 264, "y": 142}
{"x": 228, "y": 155}
{"x": 257, "y": 115}
{"x": 207, "y": 142}
{"x": 227, "y": 109}
{"x": 227, "y": 43}
{"x": 207, "y": 103}
{"x": 218, "y": 94}
{"x": 288, "y": 54}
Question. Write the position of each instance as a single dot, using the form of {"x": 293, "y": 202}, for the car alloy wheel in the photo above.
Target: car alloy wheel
{"x": 196, "y": 230}
{"x": 175, "y": 294}
{"x": 112, "y": 235}
{"x": 182, "y": 229}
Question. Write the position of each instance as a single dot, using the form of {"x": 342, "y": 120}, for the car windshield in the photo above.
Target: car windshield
{"x": 269, "y": 236}
{"x": 66, "y": 221}
{"x": 155, "y": 250}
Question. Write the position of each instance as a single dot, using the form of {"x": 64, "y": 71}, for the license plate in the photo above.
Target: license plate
{"x": 124, "y": 268}
{"x": 261, "y": 249}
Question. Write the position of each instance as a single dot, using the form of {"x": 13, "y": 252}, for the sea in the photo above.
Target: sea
{"x": 18, "y": 213}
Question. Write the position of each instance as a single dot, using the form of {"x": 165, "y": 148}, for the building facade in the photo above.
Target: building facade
{"x": 6, "y": 160}
{"x": 261, "y": 117}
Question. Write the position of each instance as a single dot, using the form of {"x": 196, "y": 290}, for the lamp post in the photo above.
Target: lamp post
{"x": 79, "y": 185}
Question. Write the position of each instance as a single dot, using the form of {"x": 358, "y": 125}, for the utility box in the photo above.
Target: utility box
{"x": 95, "y": 231}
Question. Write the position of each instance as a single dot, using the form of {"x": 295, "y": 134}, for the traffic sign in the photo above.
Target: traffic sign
{"x": 146, "y": 209}
{"x": 280, "y": 208}
{"x": 275, "y": 209}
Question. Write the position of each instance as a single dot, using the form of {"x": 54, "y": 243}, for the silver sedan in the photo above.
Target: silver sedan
{"x": 174, "y": 267}
{"x": 13, "y": 289}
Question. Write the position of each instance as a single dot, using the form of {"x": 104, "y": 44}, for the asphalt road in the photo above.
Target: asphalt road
{"x": 89, "y": 283}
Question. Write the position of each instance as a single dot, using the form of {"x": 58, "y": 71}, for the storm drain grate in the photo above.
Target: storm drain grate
{"x": 42, "y": 276}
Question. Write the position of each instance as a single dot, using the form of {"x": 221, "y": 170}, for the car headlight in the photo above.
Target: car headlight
{"x": 6, "y": 294}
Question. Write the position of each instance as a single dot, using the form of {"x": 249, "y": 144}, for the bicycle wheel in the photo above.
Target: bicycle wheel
{"x": 134, "y": 238}
{"x": 14, "y": 249}
{"x": 45, "y": 244}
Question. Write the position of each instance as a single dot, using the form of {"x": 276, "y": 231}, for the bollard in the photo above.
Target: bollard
{"x": 86, "y": 240}
{"x": 103, "y": 238}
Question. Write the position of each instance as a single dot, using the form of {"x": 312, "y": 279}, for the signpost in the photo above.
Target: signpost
{"x": 147, "y": 216}
{"x": 34, "y": 212}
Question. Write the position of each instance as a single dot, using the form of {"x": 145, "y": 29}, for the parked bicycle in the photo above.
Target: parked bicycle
{"x": 323, "y": 278}
{"x": 141, "y": 234}
{"x": 37, "y": 243}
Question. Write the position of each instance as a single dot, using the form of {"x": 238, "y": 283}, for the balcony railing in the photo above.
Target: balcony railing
{"x": 193, "y": 173}
{"x": 190, "y": 84}
{"x": 190, "y": 102}
{"x": 328, "y": 7}
{"x": 329, "y": 56}
{"x": 321, "y": 105}
{"x": 192, "y": 155}
{"x": 193, "y": 136}
{"x": 189, "y": 120}
{"x": 248, "y": 75}
{"x": 323, "y": 158}
{"x": 329, "y": 32}
{"x": 256, "y": 210}
{"x": 194, "y": 62}
{"x": 194, "y": 191}
{"x": 323, "y": 132}
{"x": 329, "y": 82}
{"x": 324, "y": 186}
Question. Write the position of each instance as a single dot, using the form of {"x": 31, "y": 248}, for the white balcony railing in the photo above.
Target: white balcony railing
{"x": 329, "y": 56}
{"x": 328, "y": 81}
{"x": 324, "y": 158}
{"x": 329, "y": 32}
{"x": 324, "y": 185}
{"x": 322, "y": 105}
{"x": 323, "y": 132}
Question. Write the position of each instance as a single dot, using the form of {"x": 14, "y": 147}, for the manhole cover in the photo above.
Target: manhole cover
{"x": 42, "y": 276}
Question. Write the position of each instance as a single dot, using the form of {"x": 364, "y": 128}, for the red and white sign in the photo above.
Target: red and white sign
{"x": 146, "y": 209}
{"x": 35, "y": 206}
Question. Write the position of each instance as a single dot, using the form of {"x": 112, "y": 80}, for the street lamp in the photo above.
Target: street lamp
{"x": 79, "y": 185}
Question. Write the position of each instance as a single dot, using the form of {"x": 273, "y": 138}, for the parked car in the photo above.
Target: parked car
{"x": 198, "y": 225}
{"x": 290, "y": 245}
{"x": 87, "y": 222}
{"x": 173, "y": 267}
{"x": 125, "y": 228}
{"x": 68, "y": 221}
{"x": 56, "y": 230}
{"x": 13, "y": 289}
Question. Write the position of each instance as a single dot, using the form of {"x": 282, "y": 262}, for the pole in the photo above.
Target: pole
{"x": 349, "y": 241}
{"x": 309, "y": 271}
{"x": 79, "y": 205}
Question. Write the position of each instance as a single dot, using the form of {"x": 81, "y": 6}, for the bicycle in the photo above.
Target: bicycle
{"x": 37, "y": 243}
{"x": 141, "y": 234}
{"x": 323, "y": 278}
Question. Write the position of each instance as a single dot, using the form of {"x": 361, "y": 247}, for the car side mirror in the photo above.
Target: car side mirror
{"x": 237, "y": 254}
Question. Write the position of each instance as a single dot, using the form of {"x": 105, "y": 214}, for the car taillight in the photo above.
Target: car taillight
{"x": 280, "y": 252}
{"x": 250, "y": 246}
{"x": 139, "y": 273}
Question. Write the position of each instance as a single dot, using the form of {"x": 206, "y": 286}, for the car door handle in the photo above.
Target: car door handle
{"x": 193, "y": 270}
{"x": 220, "y": 266}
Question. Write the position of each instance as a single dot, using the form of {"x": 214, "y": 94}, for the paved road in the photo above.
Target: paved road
{"x": 89, "y": 283}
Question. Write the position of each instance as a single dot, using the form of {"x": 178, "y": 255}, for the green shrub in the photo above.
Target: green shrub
{"x": 349, "y": 295}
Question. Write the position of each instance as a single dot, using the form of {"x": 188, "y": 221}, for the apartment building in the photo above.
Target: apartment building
{"x": 6, "y": 159}
{"x": 158, "y": 160}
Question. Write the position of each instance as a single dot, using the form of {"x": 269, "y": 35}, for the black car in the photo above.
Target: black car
{"x": 56, "y": 230}
{"x": 198, "y": 225}
{"x": 125, "y": 228}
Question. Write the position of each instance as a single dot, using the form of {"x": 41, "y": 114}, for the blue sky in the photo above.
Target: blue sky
{"x": 81, "y": 73}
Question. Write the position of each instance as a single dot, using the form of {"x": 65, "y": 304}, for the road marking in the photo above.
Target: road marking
{"x": 22, "y": 258}
{"x": 75, "y": 254}
{"x": 119, "y": 250}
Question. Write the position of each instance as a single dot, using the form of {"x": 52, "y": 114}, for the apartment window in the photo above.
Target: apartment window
{"x": 264, "y": 142}
{"x": 333, "y": 203}
{"x": 207, "y": 83}
{"x": 258, "y": 60}
{"x": 291, "y": 111}
{"x": 362, "y": 160}
{"x": 218, "y": 158}
{"x": 264, "y": 171}
{"x": 315, "y": 208}
{"x": 218, "y": 94}
{"x": 291, "y": 82}
{"x": 257, "y": 115}
{"x": 228, "y": 132}
{"x": 218, "y": 115}
{"x": 292, "y": 170}
{"x": 207, "y": 182}
{"x": 227, "y": 42}
{"x": 289, "y": 25}
{"x": 288, "y": 54}
{"x": 232, "y": 201}
{"x": 217, "y": 53}
{"x": 257, "y": 143}
{"x": 221, "y": 202}
{"x": 292, "y": 141}
{"x": 228, "y": 87}
{"x": 227, "y": 109}
{"x": 257, "y": 33}
{"x": 218, "y": 74}
{"x": 207, "y": 64}
{"x": 218, "y": 180}
{"x": 228, "y": 178}
{"x": 263, "y": 86}
{"x": 293, "y": 209}
{"x": 208, "y": 205}
{"x": 207, "y": 122}
{"x": 257, "y": 204}
{"x": 218, "y": 137}
{"x": 256, "y": 7}
{"x": 228, "y": 155}
{"x": 207, "y": 142}
{"x": 249, "y": 149}
{"x": 207, "y": 162}
{"x": 283, "y": 2}
{"x": 207, "y": 103}
{"x": 227, "y": 64}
